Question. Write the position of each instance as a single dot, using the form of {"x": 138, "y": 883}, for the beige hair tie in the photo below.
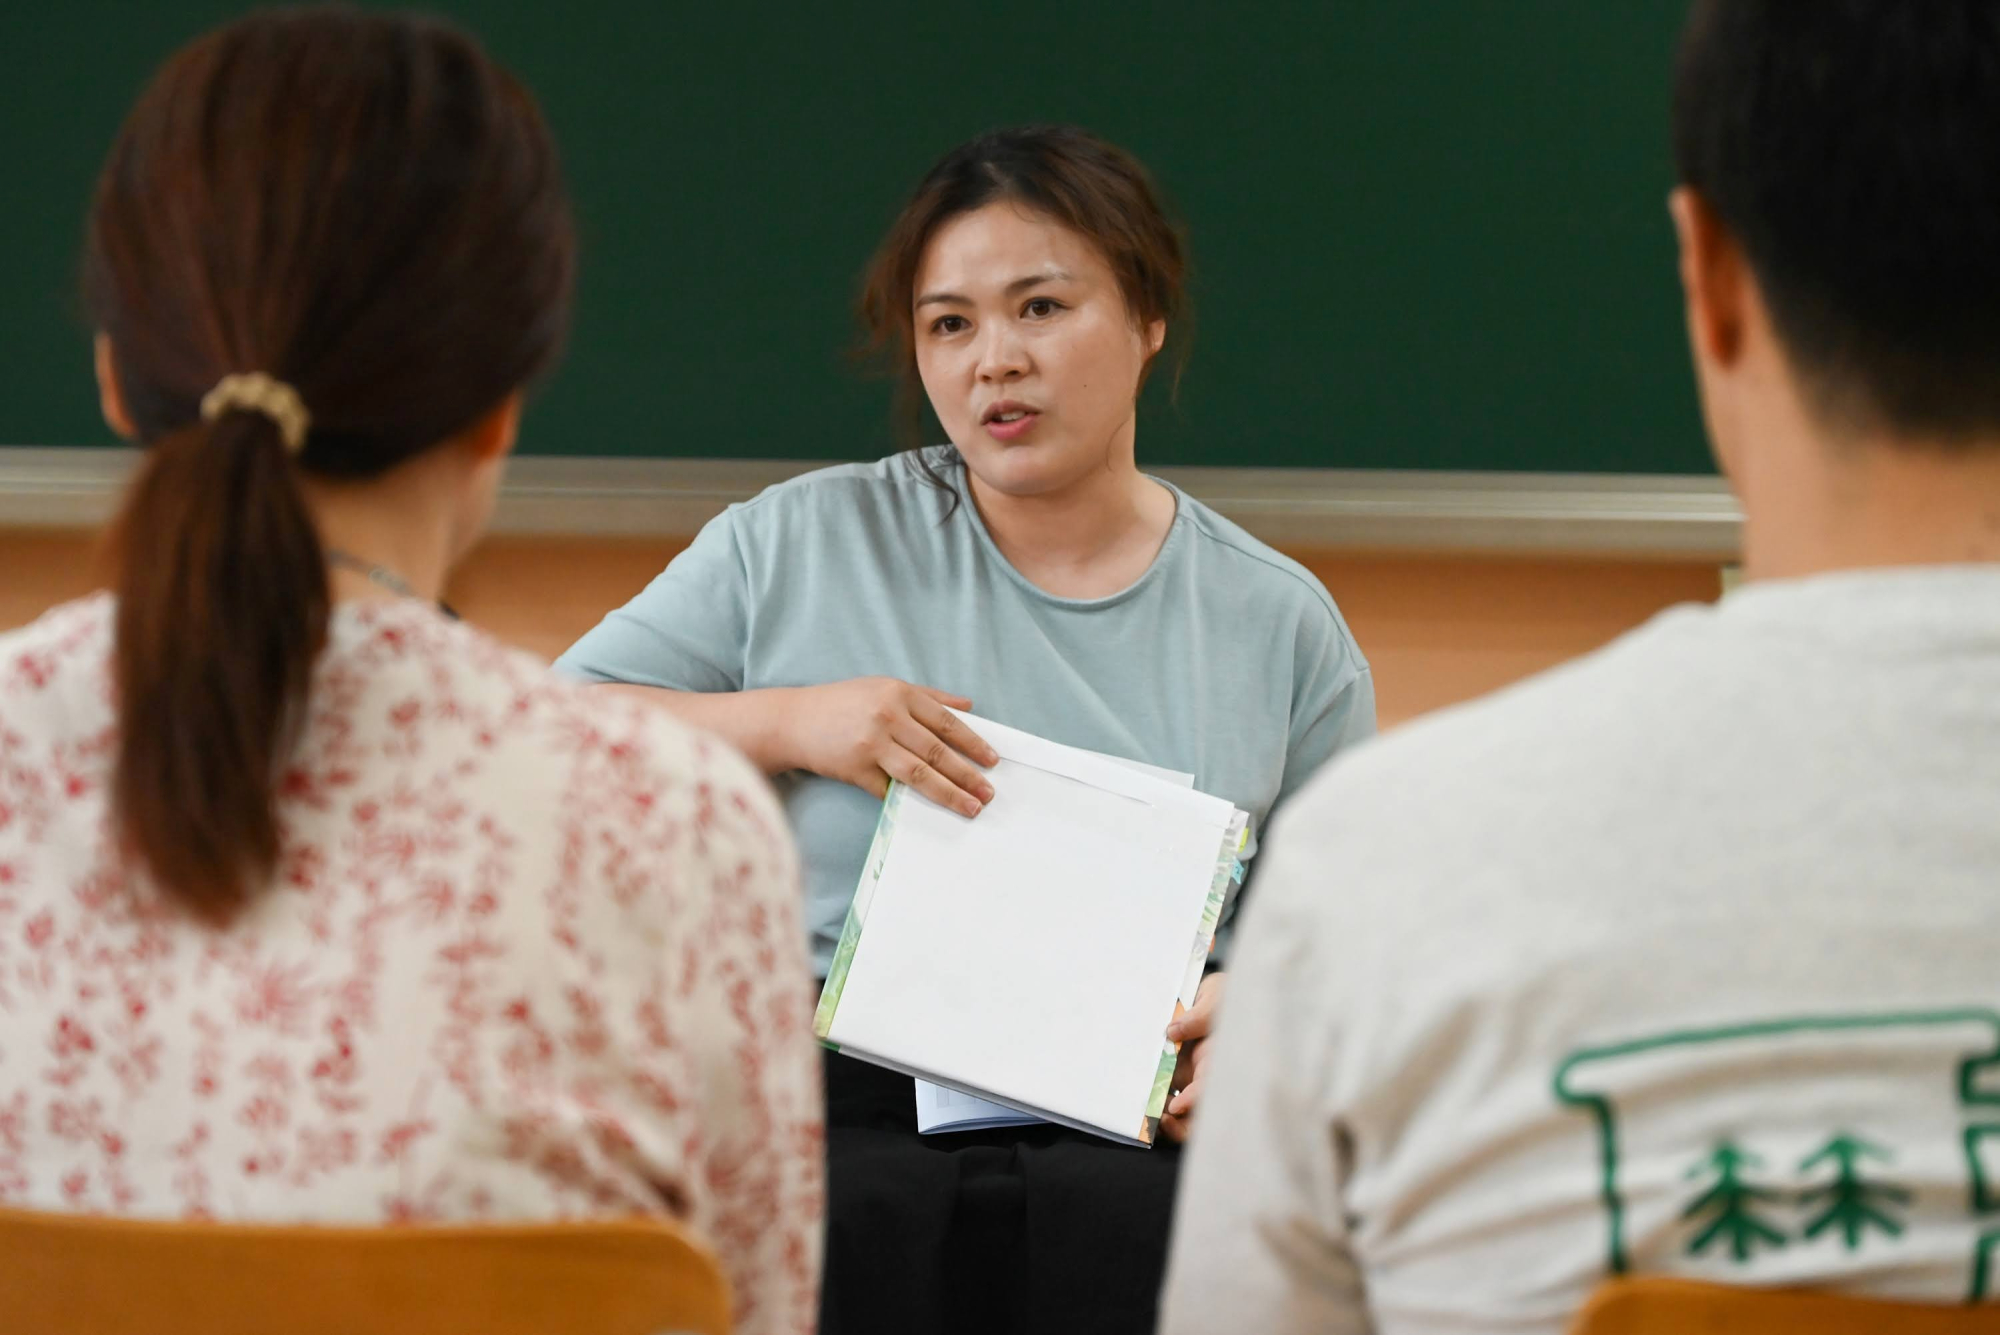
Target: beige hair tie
{"x": 255, "y": 392}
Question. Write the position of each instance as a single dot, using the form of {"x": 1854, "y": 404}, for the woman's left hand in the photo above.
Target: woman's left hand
{"x": 1191, "y": 1032}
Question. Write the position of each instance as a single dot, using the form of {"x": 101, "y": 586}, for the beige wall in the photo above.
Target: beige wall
{"x": 1438, "y": 629}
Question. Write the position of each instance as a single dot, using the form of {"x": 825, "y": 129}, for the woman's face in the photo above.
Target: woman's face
{"x": 1028, "y": 352}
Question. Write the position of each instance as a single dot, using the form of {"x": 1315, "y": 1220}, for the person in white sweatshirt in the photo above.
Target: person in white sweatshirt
{"x": 1682, "y": 959}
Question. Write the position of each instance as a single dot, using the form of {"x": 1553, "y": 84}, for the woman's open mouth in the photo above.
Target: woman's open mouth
{"x": 1007, "y": 420}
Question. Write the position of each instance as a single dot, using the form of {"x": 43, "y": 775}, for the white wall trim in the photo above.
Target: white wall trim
{"x": 1575, "y": 514}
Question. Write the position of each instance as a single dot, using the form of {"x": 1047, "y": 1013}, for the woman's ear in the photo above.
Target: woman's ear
{"x": 1156, "y": 338}
{"x": 111, "y": 399}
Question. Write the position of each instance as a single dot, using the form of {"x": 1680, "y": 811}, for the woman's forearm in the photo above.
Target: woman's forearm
{"x": 757, "y": 723}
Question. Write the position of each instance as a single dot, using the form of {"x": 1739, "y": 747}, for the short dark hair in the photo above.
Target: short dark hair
{"x": 1852, "y": 148}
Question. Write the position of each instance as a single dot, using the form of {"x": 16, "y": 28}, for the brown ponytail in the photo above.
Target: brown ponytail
{"x": 363, "y": 207}
{"x": 222, "y": 607}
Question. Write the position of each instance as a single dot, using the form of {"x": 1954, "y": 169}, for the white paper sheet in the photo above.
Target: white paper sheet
{"x": 939, "y": 1109}
{"x": 1036, "y": 952}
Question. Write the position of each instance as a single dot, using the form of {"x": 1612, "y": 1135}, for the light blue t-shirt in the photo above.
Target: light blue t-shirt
{"x": 1225, "y": 659}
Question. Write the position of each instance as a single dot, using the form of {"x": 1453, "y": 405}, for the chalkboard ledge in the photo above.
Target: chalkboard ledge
{"x": 1551, "y": 514}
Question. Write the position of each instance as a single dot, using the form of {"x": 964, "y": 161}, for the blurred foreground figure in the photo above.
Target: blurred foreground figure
{"x": 1680, "y": 959}
{"x": 315, "y": 905}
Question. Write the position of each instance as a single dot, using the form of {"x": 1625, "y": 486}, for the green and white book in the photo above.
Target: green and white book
{"x": 1033, "y": 957}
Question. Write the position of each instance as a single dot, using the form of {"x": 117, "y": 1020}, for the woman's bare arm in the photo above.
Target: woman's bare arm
{"x": 864, "y": 732}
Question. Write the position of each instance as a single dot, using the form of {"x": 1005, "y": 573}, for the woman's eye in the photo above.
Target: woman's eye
{"x": 1041, "y": 308}
{"x": 947, "y": 324}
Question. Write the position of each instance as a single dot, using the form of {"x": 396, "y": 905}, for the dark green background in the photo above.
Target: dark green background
{"x": 1428, "y": 233}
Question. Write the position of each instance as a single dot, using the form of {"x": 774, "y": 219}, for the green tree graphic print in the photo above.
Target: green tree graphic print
{"x": 1732, "y": 1203}
{"x": 1839, "y": 1147}
{"x": 1851, "y": 1203}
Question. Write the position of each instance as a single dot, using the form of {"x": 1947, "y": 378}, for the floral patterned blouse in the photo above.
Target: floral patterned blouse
{"x": 532, "y": 952}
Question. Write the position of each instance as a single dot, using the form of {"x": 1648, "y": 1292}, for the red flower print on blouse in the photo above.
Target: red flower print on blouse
{"x": 530, "y": 952}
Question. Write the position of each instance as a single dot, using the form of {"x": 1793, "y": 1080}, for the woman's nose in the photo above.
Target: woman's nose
{"x": 1002, "y": 357}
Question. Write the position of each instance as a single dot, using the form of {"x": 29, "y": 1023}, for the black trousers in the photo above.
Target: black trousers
{"x": 1030, "y": 1229}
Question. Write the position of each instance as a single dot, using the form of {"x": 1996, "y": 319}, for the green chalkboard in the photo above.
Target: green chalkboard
{"x": 1428, "y": 235}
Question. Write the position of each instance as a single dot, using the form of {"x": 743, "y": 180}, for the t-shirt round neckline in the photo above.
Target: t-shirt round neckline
{"x": 1021, "y": 581}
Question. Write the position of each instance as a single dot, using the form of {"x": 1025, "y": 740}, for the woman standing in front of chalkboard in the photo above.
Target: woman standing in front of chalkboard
{"x": 1030, "y": 571}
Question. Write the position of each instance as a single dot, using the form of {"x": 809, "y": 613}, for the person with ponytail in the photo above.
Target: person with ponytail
{"x": 315, "y": 905}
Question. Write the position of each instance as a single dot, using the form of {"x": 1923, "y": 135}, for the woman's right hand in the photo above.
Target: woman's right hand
{"x": 874, "y": 729}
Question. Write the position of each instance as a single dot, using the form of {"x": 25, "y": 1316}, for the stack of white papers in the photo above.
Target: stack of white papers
{"x": 1034, "y": 956}
{"x": 940, "y": 1110}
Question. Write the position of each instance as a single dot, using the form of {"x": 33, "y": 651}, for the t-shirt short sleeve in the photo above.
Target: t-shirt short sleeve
{"x": 1333, "y": 702}
{"x": 686, "y": 631}
{"x": 1332, "y": 709}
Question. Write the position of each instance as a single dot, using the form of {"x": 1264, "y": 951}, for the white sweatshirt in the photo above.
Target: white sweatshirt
{"x": 1682, "y": 959}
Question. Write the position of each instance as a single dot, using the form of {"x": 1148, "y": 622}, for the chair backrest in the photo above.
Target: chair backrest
{"x": 127, "y": 1277}
{"x": 1659, "y": 1306}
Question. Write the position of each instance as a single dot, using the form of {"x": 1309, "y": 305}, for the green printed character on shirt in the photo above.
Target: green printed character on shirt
{"x": 1851, "y": 1202}
{"x": 1731, "y": 1205}
{"x": 1766, "y": 1150}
